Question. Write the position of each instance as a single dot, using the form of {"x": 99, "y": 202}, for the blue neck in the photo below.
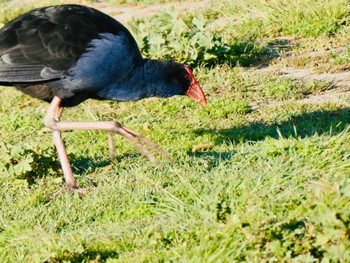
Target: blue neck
{"x": 146, "y": 80}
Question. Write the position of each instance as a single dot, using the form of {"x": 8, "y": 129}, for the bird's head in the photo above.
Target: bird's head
{"x": 180, "y": 80}
{"x": 168, "y": 78}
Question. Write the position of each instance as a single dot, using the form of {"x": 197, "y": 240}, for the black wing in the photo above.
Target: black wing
{"x": 42, "y": 45}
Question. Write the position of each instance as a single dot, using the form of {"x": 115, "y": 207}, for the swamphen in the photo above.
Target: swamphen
{"x": 69, "y": 53}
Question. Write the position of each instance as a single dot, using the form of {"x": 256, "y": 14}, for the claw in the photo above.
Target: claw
{"x": 80, "y": 191}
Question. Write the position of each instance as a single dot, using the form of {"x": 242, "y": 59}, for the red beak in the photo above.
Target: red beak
{"x": 195, "y": 91}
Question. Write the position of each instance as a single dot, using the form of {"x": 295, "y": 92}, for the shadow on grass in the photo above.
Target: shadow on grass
{"x": 299, "y": 126}
{"x": 89, "y": 255}
{"x": 82, "y": 165}
{"x": 296, "y": 228}
{"x": 245, "y": 54}
{"x": 52, "y": 167}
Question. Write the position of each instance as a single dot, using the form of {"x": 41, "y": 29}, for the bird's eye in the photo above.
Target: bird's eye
{"x": 188, "y": 77}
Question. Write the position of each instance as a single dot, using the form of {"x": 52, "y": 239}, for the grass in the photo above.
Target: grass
{"x": 300, "y": 18}
{"x": 13, "y": 8}
{"x": 258, "y": 175}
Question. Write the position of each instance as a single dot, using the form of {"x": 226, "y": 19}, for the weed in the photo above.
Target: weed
{"x": 169, "y": 36}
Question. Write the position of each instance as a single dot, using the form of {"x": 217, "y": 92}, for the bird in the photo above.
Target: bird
{"x": 66, "y": 54}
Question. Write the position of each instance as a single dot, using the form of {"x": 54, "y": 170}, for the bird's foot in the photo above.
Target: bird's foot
{"x": 80, "y": 191}
{"x": 138, "y": 140}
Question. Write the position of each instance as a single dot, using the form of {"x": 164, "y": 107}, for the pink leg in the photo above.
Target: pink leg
{"x": 62, "y": 155}
{"x": 111, "y": 146}
{"x": 52, "y": 121}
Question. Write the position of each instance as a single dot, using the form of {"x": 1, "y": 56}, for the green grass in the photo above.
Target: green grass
{"x": 272, "y": 188}
{"x": 9, "y": 9}
{"x": 300, "y": 18}
{"x": 258, "y": 175}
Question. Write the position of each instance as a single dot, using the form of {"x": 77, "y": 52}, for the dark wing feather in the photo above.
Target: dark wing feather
{"x": 44, "y": 44}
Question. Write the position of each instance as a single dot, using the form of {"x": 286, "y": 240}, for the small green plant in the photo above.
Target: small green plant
{"x": 168, "y": 36}
{"x": 27, "y": 163}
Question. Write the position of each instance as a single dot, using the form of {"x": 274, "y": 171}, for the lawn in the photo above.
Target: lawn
{"x": 259, "y": 175}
